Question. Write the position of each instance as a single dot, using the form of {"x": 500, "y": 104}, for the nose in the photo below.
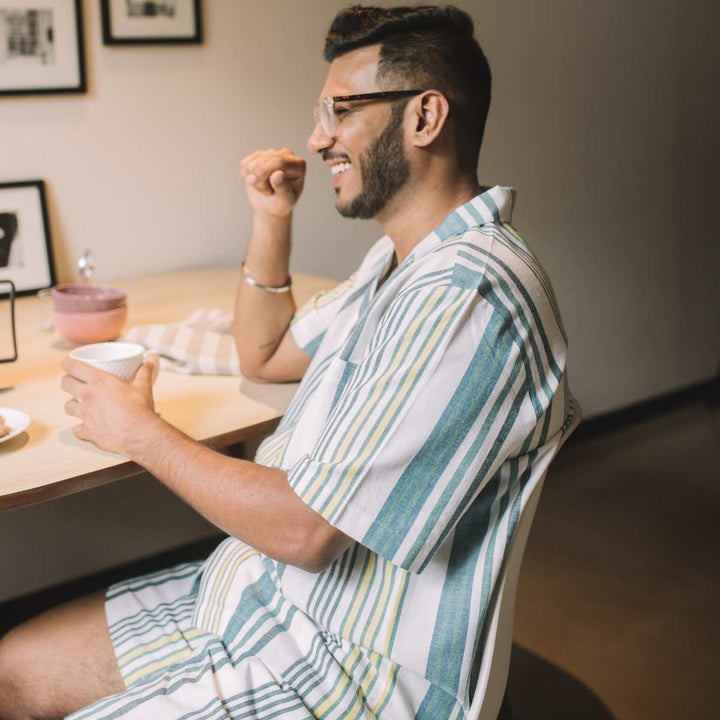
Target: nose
{"x": 319, "y": 140}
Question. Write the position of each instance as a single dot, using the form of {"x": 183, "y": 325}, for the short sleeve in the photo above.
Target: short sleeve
{"x": 445, "y": 393}
{"x": 311, "y": 321}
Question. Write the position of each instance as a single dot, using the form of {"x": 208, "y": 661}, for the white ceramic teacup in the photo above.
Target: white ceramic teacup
{"x": 121, "y": 359}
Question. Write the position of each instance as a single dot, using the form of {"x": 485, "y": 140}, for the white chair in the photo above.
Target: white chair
{"x": 496, "y": 643}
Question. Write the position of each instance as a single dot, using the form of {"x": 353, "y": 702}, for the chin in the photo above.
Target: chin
{"x": 349, "y": 210}
{"x": 359, "y": 206}
{"x": 344, "y": 210}
{"x": 343, "y": 205}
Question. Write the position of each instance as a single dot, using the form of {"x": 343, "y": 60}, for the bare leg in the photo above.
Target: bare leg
{"x": 58, "y": 662}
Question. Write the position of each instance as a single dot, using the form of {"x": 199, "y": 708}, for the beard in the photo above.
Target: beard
{"x": 384, "y": 169}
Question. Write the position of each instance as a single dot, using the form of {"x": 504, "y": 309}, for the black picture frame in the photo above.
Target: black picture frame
{"x": 13, "y": 333}
{"x": 42, "y": 53}
{"x": 26, "y": 256}
{"x": 187, "y": 33}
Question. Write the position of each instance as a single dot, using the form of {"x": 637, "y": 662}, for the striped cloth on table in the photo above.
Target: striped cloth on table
{"x": 201, "y": 344}
{"x": 434, "y": 402}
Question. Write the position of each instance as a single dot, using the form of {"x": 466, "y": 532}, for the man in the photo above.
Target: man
{"x": 366, "y": 538}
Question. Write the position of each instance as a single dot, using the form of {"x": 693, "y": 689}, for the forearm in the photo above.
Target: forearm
{"x": 248, "y": 501}
{"x": 261, "y": 317}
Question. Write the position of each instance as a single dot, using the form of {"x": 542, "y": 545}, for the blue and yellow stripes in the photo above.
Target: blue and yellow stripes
{"x": 432, "y": 404}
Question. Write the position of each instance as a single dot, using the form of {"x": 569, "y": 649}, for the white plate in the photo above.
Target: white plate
{"x": 16, "y": 419}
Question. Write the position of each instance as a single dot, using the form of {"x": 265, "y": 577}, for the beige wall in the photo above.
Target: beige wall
{"x": 600, "y": 119}
{"x": 604, "y": 117}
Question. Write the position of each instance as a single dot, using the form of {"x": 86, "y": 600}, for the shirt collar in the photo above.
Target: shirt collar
{"x": 493, "y": 205}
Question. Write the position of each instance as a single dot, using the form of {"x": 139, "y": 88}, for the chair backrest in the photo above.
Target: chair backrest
{"x": 498, "y": 629}
{"x": 496, "y": 641}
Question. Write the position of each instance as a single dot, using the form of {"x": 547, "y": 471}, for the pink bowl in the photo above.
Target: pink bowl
{"x": 91, "y": 327}
{"x": 87, "y": 298}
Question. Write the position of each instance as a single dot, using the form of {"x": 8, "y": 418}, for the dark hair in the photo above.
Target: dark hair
{"x": 428, "y": 47}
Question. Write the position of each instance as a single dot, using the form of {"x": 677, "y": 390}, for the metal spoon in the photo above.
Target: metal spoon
{"x": 86, "y": 266}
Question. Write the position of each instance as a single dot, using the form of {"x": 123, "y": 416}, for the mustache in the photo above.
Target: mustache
{"x": 328, "y": 155}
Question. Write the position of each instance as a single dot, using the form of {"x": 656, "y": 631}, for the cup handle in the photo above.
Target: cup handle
{"x": 154, "y": 358}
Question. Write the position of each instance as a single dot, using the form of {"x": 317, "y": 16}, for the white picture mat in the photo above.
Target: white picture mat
{"x": 183, "y": 24}
{"x": 26, "y": 203}
{"x": 65, "y": 71}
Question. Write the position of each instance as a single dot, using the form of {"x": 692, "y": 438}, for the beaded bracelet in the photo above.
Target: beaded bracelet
{"x": 270, "y": 288}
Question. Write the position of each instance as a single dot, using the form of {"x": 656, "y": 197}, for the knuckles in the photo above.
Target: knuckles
{"x": 79, "y": 432}
{"x": 264, "y": 162}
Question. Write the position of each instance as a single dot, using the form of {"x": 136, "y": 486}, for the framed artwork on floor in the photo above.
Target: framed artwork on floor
{"x": 41, "y": 47}
{"x": 151, "y": 22}
{"x": 25, "y": 250}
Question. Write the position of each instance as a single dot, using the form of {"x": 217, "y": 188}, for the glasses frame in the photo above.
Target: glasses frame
{"x": 324, "y": 111}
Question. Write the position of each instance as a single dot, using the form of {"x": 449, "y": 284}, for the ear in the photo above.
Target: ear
{"x": 430, "y": 113}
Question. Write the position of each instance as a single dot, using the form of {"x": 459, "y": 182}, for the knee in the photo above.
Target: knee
{"x": 16, "y": 683}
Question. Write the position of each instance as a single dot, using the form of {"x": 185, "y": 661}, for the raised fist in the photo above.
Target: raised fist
{"x": 273, "y": 179}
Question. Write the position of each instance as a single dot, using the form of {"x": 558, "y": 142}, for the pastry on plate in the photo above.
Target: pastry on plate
{"x": 4, "y": 429}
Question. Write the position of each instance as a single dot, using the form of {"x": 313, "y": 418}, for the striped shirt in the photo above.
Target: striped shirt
{"x": 434, "y": 402}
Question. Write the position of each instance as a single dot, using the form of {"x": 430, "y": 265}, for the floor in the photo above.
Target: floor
{"x": 617, "y": 608}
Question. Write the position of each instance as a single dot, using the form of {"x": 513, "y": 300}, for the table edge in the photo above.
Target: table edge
{"x": 120, "y": 471}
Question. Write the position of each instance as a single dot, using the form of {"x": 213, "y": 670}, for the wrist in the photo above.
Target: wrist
{"x": 144, "y": 435}
{"x": 274, "y": 289}
{"x": 268, "y": 253}
{"x": 272, "y": 222}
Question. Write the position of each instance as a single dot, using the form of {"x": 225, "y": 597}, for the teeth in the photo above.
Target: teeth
{"x": 339, "y": 167}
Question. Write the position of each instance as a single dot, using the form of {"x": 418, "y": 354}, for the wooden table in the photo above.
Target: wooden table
{"x": 47, "y": 461}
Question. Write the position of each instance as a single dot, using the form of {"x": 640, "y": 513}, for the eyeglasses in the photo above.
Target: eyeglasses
{"x": 329, "y": 116}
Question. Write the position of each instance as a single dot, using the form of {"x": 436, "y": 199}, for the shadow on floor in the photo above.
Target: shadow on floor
{"x": 539, "y": 690}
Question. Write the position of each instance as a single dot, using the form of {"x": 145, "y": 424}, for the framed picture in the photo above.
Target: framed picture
{"x": 41, "y": 47}
{"x": 8, "y": 346}
{"x": 25, "y": 250}
{"x": 141, "y": 22}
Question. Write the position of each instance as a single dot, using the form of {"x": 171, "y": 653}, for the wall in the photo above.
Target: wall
{"x": 600, "y": 119}
{"x": 606, "y": 120}
{"x": 604, "y": 117}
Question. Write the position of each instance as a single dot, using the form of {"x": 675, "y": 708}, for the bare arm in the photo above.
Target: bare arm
{"x": 274, "y": 180}
{"x": 247, "y": 500}
{"x": 250, "y": 501}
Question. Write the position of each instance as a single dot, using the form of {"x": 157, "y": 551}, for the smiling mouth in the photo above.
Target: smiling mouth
{"x": 339, "y": 168}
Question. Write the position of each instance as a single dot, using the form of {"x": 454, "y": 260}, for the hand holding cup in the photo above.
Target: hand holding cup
{"x": 111, "y": 388}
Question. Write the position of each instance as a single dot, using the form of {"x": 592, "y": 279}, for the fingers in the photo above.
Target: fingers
{"x": 259, "y": 167}
{"x": 280, "y": 183}
{"x": 81, "y": 432}
{"x": 144, "y": 377}
{"x": 144, "y": 371}
{"x": 254, "y": 162}
{"x": 277, "y": 179}
{"x": 73, "y": 386}
{"x": 73, "y": 408}
{"x": 80, "y": 370}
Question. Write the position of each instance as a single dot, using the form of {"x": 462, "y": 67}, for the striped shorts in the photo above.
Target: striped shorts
{"x": 218, "y": 640}
{"x": 174, "y": 670}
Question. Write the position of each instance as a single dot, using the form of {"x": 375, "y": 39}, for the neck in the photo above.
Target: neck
{"x": 416, "y": 211}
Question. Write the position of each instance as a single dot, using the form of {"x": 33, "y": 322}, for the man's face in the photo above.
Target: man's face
{"x": 366, "y": 157}
{"x": 384, "y": 169}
